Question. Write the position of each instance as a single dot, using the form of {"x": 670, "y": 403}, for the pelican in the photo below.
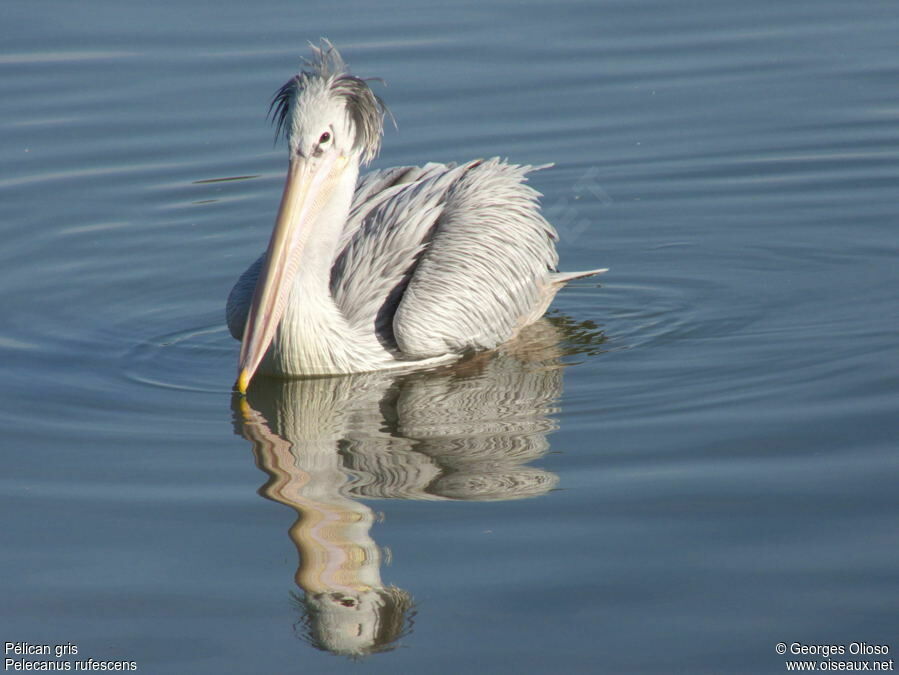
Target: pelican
{"x": 406, "y": 267}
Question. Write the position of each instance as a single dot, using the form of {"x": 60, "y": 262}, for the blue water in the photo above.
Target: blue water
{"x": 689, "y": 462}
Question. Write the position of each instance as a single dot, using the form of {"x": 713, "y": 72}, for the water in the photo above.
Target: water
{"x": 686, "y": 465}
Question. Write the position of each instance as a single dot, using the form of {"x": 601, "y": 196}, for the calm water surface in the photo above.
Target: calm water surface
{"x": 680, "y": 468}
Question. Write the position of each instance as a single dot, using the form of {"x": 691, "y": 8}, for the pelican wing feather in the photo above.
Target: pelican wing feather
{"x": 445, "y": 258}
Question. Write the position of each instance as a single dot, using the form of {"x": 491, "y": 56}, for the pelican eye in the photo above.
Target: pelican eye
{"x": 324, "y": 138}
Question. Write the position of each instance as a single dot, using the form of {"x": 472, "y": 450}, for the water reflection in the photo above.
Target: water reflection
{"x": 464, "y": 432}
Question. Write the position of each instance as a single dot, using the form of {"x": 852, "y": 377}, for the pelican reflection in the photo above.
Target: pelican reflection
{"x": 463, "y": 432}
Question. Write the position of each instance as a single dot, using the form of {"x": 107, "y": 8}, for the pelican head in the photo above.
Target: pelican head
{"x": 326, "y": 99}
{"x": 333, "y": 122}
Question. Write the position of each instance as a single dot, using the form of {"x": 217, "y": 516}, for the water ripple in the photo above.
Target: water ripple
{"x": 199, "y": 359}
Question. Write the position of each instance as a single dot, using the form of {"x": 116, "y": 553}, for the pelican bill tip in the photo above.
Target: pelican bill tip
{"x": 243, "y": 381}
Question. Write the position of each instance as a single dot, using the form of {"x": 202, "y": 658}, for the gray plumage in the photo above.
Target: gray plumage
{"x": 417, "y": 264}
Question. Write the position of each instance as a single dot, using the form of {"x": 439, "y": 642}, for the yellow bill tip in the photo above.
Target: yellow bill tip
{"x": 243, "y": 381}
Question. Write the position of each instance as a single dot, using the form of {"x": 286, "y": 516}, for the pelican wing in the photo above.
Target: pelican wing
{"x": 389, "y": 227}
{"x": 376, "y": 187}
{"x": 444, "y": 258}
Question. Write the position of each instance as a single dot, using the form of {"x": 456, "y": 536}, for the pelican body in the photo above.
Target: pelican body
{"x": 405, "y": 267}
